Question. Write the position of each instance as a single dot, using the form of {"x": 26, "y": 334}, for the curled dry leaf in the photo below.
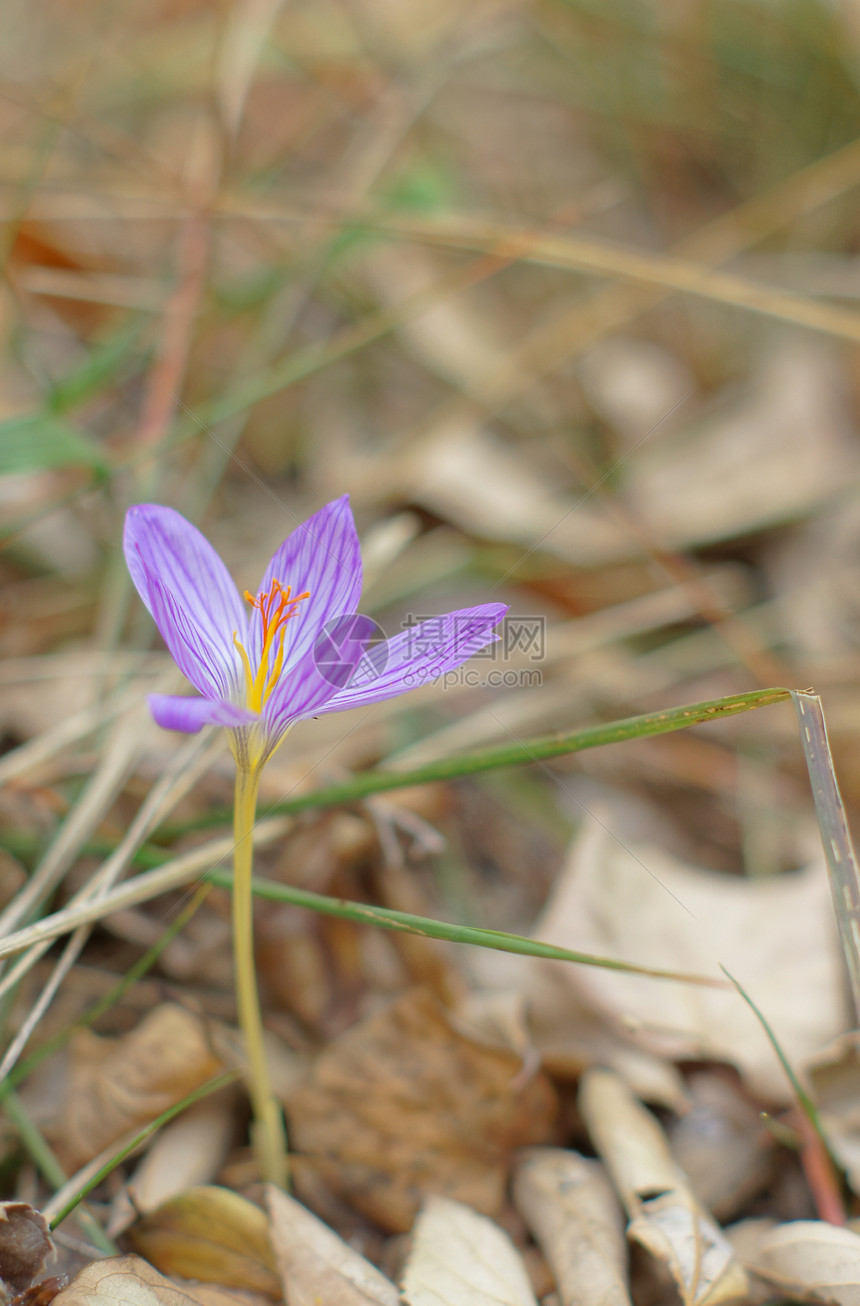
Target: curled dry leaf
{"x": 570, "y": 1207}
{"x": 25, "y": 1245}
{"x": 316, "y": 1266}
{"x": 664, "y": 1215}
{"x": 460, "y": 1258}
{"x": 41, "y": 1293}
{"x": 405, "y": 1104}
{"x": 811, "y": 1261}
{"x": 122, "y": 1084}
{"x": 131, "y": 1281}
{"x": 211, "y": 1234}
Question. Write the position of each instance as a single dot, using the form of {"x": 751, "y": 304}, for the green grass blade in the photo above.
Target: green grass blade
{"x": 41, "y": 441}
{"x": 517, "y": 754}
{"x": 425, "y": 926}
{"x": 154, "y": 1125}
{"x": 47, "y": 1163}
{"x": 99, "y": 369}
{"x": 804, "y": 1101}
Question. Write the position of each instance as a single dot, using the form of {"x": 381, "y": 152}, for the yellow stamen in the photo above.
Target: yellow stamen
{"x": 276, "y": 670}
{"x": 246, "y": 663}
{"x": 275, "y": 607}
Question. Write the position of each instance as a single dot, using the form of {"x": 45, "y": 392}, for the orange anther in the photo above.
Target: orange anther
{"x": 275, "y": 606}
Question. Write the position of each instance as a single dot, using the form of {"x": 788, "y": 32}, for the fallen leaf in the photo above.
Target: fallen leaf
{"x": 131, "y": 1281}
{"x": 761, "y": 465}
{"x": 664, "y": 1215}
{"x": 406, "y": 1103}
{"x": 531, "y": 1007}
{"x": 570, "y": 1207}
{"x": 119, "y": 1084}
{"x": 25, "y": 1245}
{"x": 464, "y": 473}
{"x": 211, "y": 1234}
{"x": 460, "y": 1258}
{"x": 777, "y": 935}
{"x": 812, "y": 1261}
{"x": 41, "y": 1293}
{"x": 316, "y": 1266}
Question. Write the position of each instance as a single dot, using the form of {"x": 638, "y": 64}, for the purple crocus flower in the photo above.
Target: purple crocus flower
{"x": 293, "y": 649}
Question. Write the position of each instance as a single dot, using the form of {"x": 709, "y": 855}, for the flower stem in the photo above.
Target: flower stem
{"x": 269, "y": 1136}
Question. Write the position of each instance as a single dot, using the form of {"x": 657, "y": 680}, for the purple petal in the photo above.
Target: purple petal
{"x": 191, "y": 647}
{"x": 418, "y": 655}
{"x": 190, "y": 594}
{"x": 189, "y": 714}
{"x": 323, "y": 556}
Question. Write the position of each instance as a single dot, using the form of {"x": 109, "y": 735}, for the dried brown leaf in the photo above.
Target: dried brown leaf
{"x": 406, "y": 1104}
{"x": 132, "y": 1281}
{"x": 570, "y": 1207}
{"x": 211, "y": 1234}
{"x": 761, "y": 465}
{"x": 118, "y": 1084}
{"x": 317, "y": 1267}
{"x": 460, "y": 1258}
{"x": 812, "y": 1261}
{"x": 25, "y": 1245}
{"x": 543, "y": 1015}
{"x": 664, "y": 1215}
{"x": 777, "y": 935}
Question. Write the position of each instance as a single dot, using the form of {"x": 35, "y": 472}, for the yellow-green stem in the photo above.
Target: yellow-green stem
{"x": 269, "y": 1135}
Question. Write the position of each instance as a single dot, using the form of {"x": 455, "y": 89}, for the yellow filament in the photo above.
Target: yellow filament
{"x": 276, "y": 671}
{"x": 275, "y": 607}
{"x": 246, "y": 663}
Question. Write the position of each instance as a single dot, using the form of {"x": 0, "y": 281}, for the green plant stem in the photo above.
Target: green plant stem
{"x": 269, "y": 1135}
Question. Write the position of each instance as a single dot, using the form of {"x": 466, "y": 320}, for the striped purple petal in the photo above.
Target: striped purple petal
{"x": 193, "y": 650}
{"x": 418, "y": 655}
{"x": 190, "y": 714}
{"x": 323, "y": 556}
{"x": 190, "y": 595}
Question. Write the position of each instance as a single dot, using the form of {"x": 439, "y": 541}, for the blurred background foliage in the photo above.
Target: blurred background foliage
{"x": 258, "y": 253}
